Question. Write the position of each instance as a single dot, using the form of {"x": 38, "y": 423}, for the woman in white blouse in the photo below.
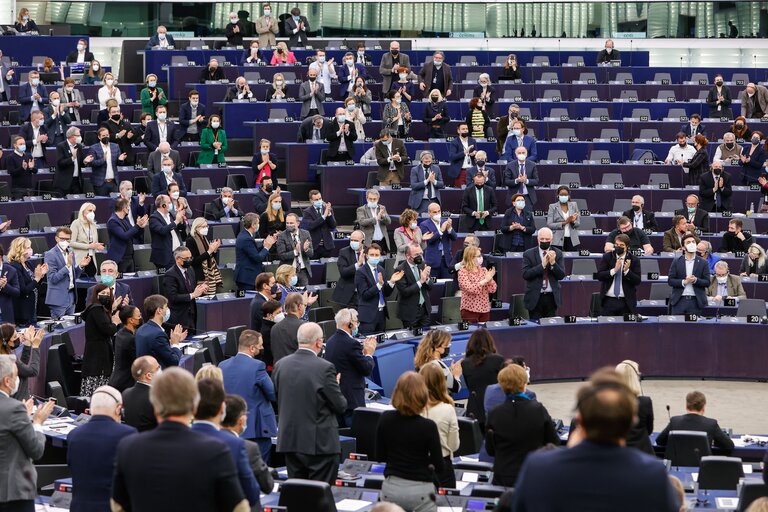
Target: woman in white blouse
{"x": 85, "y": 236}
{"x": 355, "y": 114}
{"x": 563, "y": 220}
{"x": 440, "y": 409}
{"x": 109, "y": 91}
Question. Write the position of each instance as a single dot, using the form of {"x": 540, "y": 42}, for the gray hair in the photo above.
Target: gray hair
{"x": 729, "y": 135}
{"x": 426, "y": 153}
{"x": 308, "y": 333}
{"x": 227, "y": 189}
{"x": 641, "y": 198}
{"x": 7, "y": 364}
{"x": 345, "y": 316}
{"x": 108, "y": 262}
{"x": 722, "y": 264}
{"x": 373, "y": 192}
{"x": 439, "y": 52}
{"x": 179, "y": 250}
{"x": 104, "y": 400}
{"x": 250, "y": 219}
{"x": 481, "y": 153}
{"x": 72, "y": 131}
{"x": 473, "y": 239}
{"x": 707, "y": 246}
{"x": 124, "y": 184}
{"x": 167, "y": 159}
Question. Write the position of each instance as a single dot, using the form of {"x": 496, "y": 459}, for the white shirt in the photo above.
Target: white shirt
{"x": 296, "y": 240}
{"x": 637, "y": 219}
{"x": 325, "y": 73}
{"x": 74, "y": 161}
{"x": 108, "y": 158}
{"x": 174, "y": 236}
{"x": 71, "y": 270}
{"x": 81, "y": 57}
{"x": 104, "y": 96}
{"x": 688, "y": 290}
{"x": 377, "y": 233}
{"x": 610, "y": 293}
{"x": 467, "y": 159}
{"x": 677, "y": 153}
{"x": 162, "y": 129}
{"x": 37, "y": 148}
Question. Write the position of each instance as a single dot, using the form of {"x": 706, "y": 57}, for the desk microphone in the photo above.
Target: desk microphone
{"x": 669, "y": 416}
{"x": 674, "y": 447}
{"x": 433, "y": 495}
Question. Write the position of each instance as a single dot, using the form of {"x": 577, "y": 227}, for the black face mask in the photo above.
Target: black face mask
{"x": 619, "y": 251}
{"x": 479, "y": 187}
{"x": 544, "y": 245}
{"x": 717, "y": 172}
{"x": 730, "y": 145}
{"x": 418, "y": 260}
{"x": 480, "y": 163}
{"x": 464, "y": 135}
{"x": 276, "y": 292}
{"x": 105, "y": 140}
{"x": 739, "y": 126}
{"x": 115, "y": 117}
{"x": 718, "y": 83}
{"x": 186, "y": 263}
{"x": 105, "y": 300}
{"x": 268, "y": 188}
{"x": 394, "y": 52}
{"x": 681, "y": 144}
{"x": 636, "y": 207}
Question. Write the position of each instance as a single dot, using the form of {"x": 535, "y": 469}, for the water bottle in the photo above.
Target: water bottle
{"x": 751, "y": 208}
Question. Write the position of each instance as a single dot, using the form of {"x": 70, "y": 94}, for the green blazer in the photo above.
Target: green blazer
{"x": 206, "y": 147}
{"x": 146, "y": 102}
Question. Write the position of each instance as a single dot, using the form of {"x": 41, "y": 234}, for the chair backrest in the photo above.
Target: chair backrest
{"x": 307, "y": 496}
{"x": 470, "y": 436}
{"x": 365, "y": 421}
{"x": 607, "y": 133}
{"x": 541, "y": 60}
{"x": 621, "y": 205}
{"x": 214, "y": 349}
{"x": 179, "y": 60}
{"x": 558, "y": 113}
{"x": 587, "y": 223}
{"x": 372, "y": 179}
{"x": 581, "y": 203}
{"x": 670, "y": 205}
{"x": 751, "y": 307}
{"x": 696, "y": 77}
{"x": 328, "y": 327}
{"x": 468, "y": 59}
{"x": 548, "y": 77}
{"x": 656, "y": 178}
{"x": 518, "y": 308}
{"x": 237, "y": 181}
{"x": 59, "y": 368}
{"x": 586, "y": 94}
{"x": 472, "y": 77}
{"x": 658, "y": 77}
{"x": 565, "y": 133}
{"x": 566, "y": 178}
{"x": 222, "y": 231}
{"x": 320, "y": 314}
{"x": 252, "y": 76}
{"x": 748, "y": 224}
{"x": 38, "y": 221}
{"x": 676, "y": 113}
{"x": 511, "y": 94}
{"x": 556, "y": 154}
{"x": 648, "y": 133}
{"x": 232, "y": 340}
{"x": 687, "y": 447}
{"x": 200, "y": 183}
{"x": 575, "y": 60}
{"x": 599, "y": 154}
{"x": 598, "y": 112}
{"x": 583, "y": 267}
{"x": 749, "y": 492}
{"x": 659, "y": 291}
{"x": 39, "y": 244}
{"x": 278, "y": 113}
{"x": 611, "y": 178}
{"x": 55, "y": 390}
{"x": 201, "y": 357}
{"x": 650, "y": 265}
{"x": 585, "y": 77}
{"x": 626, "y": 94}
{"x": 717, "y": 472}
{"x": 450, "y": 307}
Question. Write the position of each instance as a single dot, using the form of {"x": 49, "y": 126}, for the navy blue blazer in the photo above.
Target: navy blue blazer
{"x": 121, "y": 290}
{"x": 24, "y": 304}
{"x": 433, "y": 256}
{"x": 155, "y": 41}
{"x": 160, "y": 184}
{"x": 490, "y": 180}
{"x": 677, "y": 274}
{"x": 99, "y": 164}
{"x": 91, "y": 450}
{"x": 162, "y": 240}
{"x": 456, "y": 155}
{"x": 21, "y": 178}
{"x": 239, "y": 456}
{"x": 257, "y": 315}
{"x": 319, "y": 228}
{"x": 151, "y": 340}
{"x": 628, "y": 480}
{"x": 344, "y": 73}
{"x": 249, "y": 258}
{"x": 346, "y": 354}
{"x": 121, "y": 234}
{"x": 152, "y": 135}
{"x": 510, "y": 145}
{"x": 528, "y": 224}
{"x": 533, "y": 273}
{"x": 686, "y": 129}
{"x": 9, "y": 293}
{"x": 247, "y": 377}
{"x": 368, "y": 293}
{"x": 28, "y": 133}
{"x": 25, "y": 99}
{"x": 185, "y": 117}
{"x": 137, "y": 211}
{"x": 512, "y": 172}
{"x": 418, "y": 186}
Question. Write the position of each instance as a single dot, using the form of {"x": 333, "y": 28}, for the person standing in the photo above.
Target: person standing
{"x": 101, "y": 324}
{"x": 267, "y": 27}
{"x": 543, "y": 269}
{"x": 689, "y": 279}
{"x": 619, "y": 273}
{"x": 62, "y": 274}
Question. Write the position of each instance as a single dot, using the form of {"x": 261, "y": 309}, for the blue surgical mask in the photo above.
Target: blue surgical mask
{"x": 35, "y": 82}
{"x": 372, "y": 204}
{"x": 350, "y": 107}
{"x": 214, "y": 125}
{"x": 107, "y": 279}
{"x": 520, "y": 204}
{"x": 321, "y": 58}
{"x": 691, "y": 209}
{"x": 355, "y": 330}
{"x": 22, "y": 148}
{"x": 563, "y": 199}
{"x": 413, "y": 225}
{"x": 264, "y": 151}
{"x": 162, "y": 116}
{"x": 374, "y": 260}
{"x": 297, "y": 19}
{"x": 318, "y": 203}
{"x": 399, "y": 101}
{"x": 355, "y": 246}
{"x": 166, "y": 315}
{"x": 294, "y": 280}
{"x": 152, "y": 84}
{"x": 276, "y": 206}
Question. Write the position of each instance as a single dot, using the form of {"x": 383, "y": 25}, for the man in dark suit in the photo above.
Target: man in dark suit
{"x": 390, "y": 63}
{"x": 91, "y": 450}
{"x": 32, "y": 96}
{"x": 341, "y": 136}
{"x": 283, "y": 339}
{"x": 70, "y": 160}
{"x": 517, "y": 138}
{"x": 439, "y": 236}
{"x": 106, "y": 159}
{"x": 481, "y": 159}
{"x": 225, "y": 206}
{"x": 210, "y": 410}
{"x": 414, "y": 306}
{"x": 6, "y": 77}
{"x": 478, "y": 204}
{"x": 81, "y": 54}
{"x": 122, "y": 235}
{"x": 192, "y": 115}
{"x": 517, "y": 228}
{"x": 697, "y": 217}
{"x": 608, "y": 54}
{"x": 172, "y": 467}
{"x": 372, "y": 290}
{"x": 21, "y": 166}
{"x": 161, "y": 130}
{"x": 294, "y": 247}
{"x": 694, "y": 419}
{"x": 164, "y": 236}
{"x": 250, "y": 256}
{"x": 521, "y": 177}
{"x": 693, "y": 127}
{"x": 309, "y": 398}
{"x": 57, "y": 119}
{"x": 212, "y": 72}
{"x": 108, "y": 274}
{"x": 319, "y": 221}
{"x": 542, "y": 270}
{"x": 641, "y": 218}
{"x": 151, "y": 339}
{"x": 162, "y": 40}
{"x": 619, "y": 273}
{"x": 121, "y": 133}
{"x": 236, "y": 423}
{"x": 426, "y": 182}
{"x": 350, "y": 259}
{"x": 125, "y": 347}
{"x": 626, "y": 478}
{"x": 638, "y": 240}
{"x": 461, "y": 156}
{"x": 689, "y": 279}
{"x": 353, "y": 359}
{"x": 314, "y": 128}
{"x": 715, "y": 189}
{"x": 162, "y": 180}
{"x": 139, "y": 412}
{"x": 436, "y": 75}
{"x": 261, "y": 197}
{"x": 264, "y": 283}
{"x": 36, "y": 139}
{"x": 156, "y": 157}
{"x": 180, "y": 287}
{"x": 246, "y": 376}
{"x": 392, "y": 157}
{"x": 735, "y": 239}
{"x": 297, "y": 27}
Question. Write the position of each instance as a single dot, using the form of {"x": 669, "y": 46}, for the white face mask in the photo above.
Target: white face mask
{"x": 167, "y": 170}
{"x": 690, "y": 247}
{"x": 203, "y": 231}
{"x": 521, "y": 157}
{"x": 56, "y": 102}
{"x": 279, "y": 317}
{"x": 64, "y": 245}
{"x": 175, "y": 195}
{"x": 91, "y": 216}
{"x": 110, "y": 81}
{"x": 436, "y": 217}
{"x": 722, "y": 279}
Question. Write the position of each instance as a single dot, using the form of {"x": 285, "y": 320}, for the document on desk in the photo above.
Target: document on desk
{"x": 727, "y": 503}
{"x": 469, "y": 477}
{"x": 449, "y": 509}
{"x": 348, "y": 505}
{"x": 378, "y": 406}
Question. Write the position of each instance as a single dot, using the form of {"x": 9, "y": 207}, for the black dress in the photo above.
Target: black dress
{"x": 638, "y": 437}
{"x": 478, "y": 378}
{"x": 98, "y": 356}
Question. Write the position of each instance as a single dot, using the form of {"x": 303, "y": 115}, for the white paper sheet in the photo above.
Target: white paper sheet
{"x": 351, "y": 505}
{"x": 469, "y": 477}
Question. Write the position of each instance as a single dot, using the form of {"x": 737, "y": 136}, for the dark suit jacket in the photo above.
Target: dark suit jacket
{"x": 99, "y": 163}
{"x": 285, "y": 251}
{"x": 185, "y": 116}
{"x": 9, "y": 293}
{"x": 298, "y": 37}
{"x": 24, "y": 304}
{"x": 417, "y": 184}
{"x": 516, "y": 428}
{"x": 408, "y": 293}
{"x": 629, "y": 281}
{"x": 59, "y": 124}
{"x": 121, "y": 235}
{"x": 603, "y": 57}
{"x": 490, "y": 179}
{"x": 700, "y": 220}
{"x": 307, "y": 128}
{"x": 512, "y": 172}
{"x": 283, "y": 338}
{"x": 25, "y": 99}
{"x": 686, "y": 129}
{"x": 432, "y": 254}
{"x": 677, "y": 274}
{"x": 533, "y": 273}
{"x": 469, "y": 205}
{"x": 152, "y": 467}
{"x": 155, "y": 162}
{"x": 368, "y": 293}
{"x": 334, "y": 139}
{"x": 65, "y": 166}
{"x": 699, "y": 423}
{"x": 125, "y": 355}
{"x": 249, "y": 258}
{"x": 215, "y": 210}
{"x": 72, "y": 57}
{"x": 28, "y": 132}
{"x": 124, "y": 143}
{"x": 247, "y": 377}
{"x": 382, "y": 153}
{"x": 139, "y": 412}
{"x": 151, "y": 340}
{"x": 649, "y": 219}
{"x": 206, "y": 75}
{"x": 726, "y": 103}
{"x": 456, "y": 155}
{"x": 638, "y": 437}
{"x": 619, "y": 472}
{"x": 20, "y": 178}
{"x": 180, "y": 301}
{"x": 510, "y": 145}
{"x": 528, "y": 228}
{"x": 707, "y": 183}
{"x": 427, "y": 73}
{"x": 152, "y": 135}
{"x": 319, "y": 228}
{"x": 344, "y": 293}
{"x": 346, "y": 354}
{"x": 257, "y": 315}
{"x": 91, "y": 452}
{"x": 308, "y": 398}
{"x": 155, "y": 41}
{"x": 259, "y": 468}
{"x": 162, "y": 240}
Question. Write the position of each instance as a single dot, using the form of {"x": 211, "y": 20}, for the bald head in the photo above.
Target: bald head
{"x": 144, "y": 369}
{"x": 106, "y": 401}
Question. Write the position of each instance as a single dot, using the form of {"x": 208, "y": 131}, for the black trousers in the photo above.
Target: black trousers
{"x": 545, "y": 308}
{"x": 321, "y": 252}
{"x": 126, "y": 264}
{"x": 383, "y": 244}
{"x": 614, "y": 307}
{"x": 447, "y": 477}
{"x": 422, "y": 318}
{"x": 323, "y": 468}
{"x": 379, "y": 324}
{"x": 18, "y": 506}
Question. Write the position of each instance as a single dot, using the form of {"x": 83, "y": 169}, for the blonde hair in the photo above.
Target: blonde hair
{"x": 629, "y": 371}
{"x": 436, "y": 385}
{"x": 22, "y": 12}
{"x": 283, "y": 47}
{"x": 18, "y": 246}
{"x": 470, "y": 253}
{"x": 108, "y": 73}
{"x": 208, "y": 371}
{"x": 274, "y": 77}
{"x": 272, "y": 214}
{"x": 759, "y": 505}
{"x": 83, "y": 208}
{"x": 199, "y": 221}
{"x": 284, "y": 273}
{"x": 439, "y": 94}
{"x": 513, "y": 378}
{"x": 425, "y": 352}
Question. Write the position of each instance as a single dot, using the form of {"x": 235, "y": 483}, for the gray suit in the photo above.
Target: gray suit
{"x": 155, "y": 163}
{"x": 762, "y": 100}
{"x": 555, "y": 218}
{"x": 283, "y": 338}
{"x": 368, "y": 222}
{"x": 76, "y": 96}
{"x": 266, "y": 31}
{"x": 20, "y": 444}
{"x": 385, "y": 68}
{"x": 308, "y": 398}
{"x": 305, "y": 96}
{"x": 285, "y": 250}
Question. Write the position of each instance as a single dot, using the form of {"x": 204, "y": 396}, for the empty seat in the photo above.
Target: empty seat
{"x": 587, "y": 223}
{"x": 552, "y": 95}
{"x": 660, "y": 291}
{"x": 558, "y": 113}
{"x": 450, "y": 310}
{"x": 38, "y": 221}
{"x": 620, "y": 205}
{"x": 588, "y": 94}
{"x": 252, "y": 76}
{"x": 648, "y": 134}
{"x": 717, "y": 472}
{"x": 468, "y": 60}
{"x": 583, "y": 267}
{"x": 657, "y": 177}
{"x": 641, "y": 113}
{"x": 740, "y": 78}
{"x": 555, "y": 155}
{"x": 470, "y": 93}
{"x": 599, "y": 155}
{"x": 628, "y": 95}
{"x": 472, "y": 77}
{"x": 549, "y": 77}
{"x": 598, "y": 112}
{"x": 278, "y": 114}
{"x": 226, "y": 256}
{"x": 748, "y": 224}
{"x": 662, "y": 77}
{"x": 676, "y": 113}
{"x": 501, "y": 60}
{"x": 670, "y": 205}
{"x": 751, "y": 307}
{"x": 511, "y": 94}
{"x": 565, "y": 133}
{"x": 197, "y": 184}
{"x": 470, "y": 436}
{"x": 289, "y": 76}
{"x": 307, "y": 496}
{"x": 623, "y": 77}
{"x": 588, "y": 77}
{"x": 698, "y": 77}
{"x": 686, "y": 447}
{"x": 576, "y": 60}
{"x": 569, "y": 178}
{"x": 581, "y": 203}
{"x": 608, "y": 133}
{"x": 612, "y": 178}
{"x": 703, "y": 95}
{"x": 541, "y": 60}
{"x": 232, "y": 340}
{"x": 237, "y": 181}
{"x": 365, "y": 421}
{"x": 179, "y": 60}
{"x": 665, "y": 95}
{"x": 222, "y": 231}
{"x": 649, "y": 265}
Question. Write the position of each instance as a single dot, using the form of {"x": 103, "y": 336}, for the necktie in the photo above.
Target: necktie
{"x": 188, "y": 279}
{"x": 298, "y": 258}
{"x": 317, "y": 134}
{"x": 545, "y": 279}
{"x": 617, "y": 283}
{"x": 376, "y": 279}
{"x": 480, "y": 205}
{"x": 415, "y": 271}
